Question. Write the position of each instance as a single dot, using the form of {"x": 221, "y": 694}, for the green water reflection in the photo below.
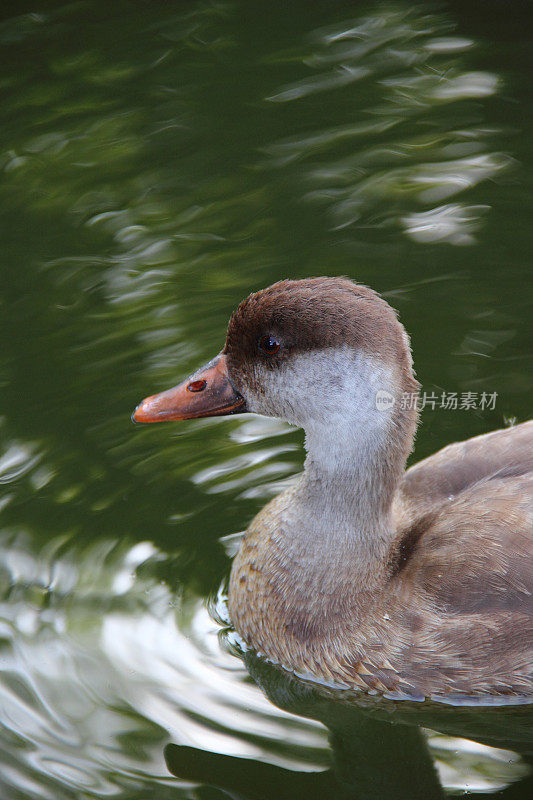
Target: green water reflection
{"x": 159, "y": 161}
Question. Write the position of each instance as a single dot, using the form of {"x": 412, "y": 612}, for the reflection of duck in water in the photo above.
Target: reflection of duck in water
{"x": 377, "y": 748}
{"x": 405, "y": 583}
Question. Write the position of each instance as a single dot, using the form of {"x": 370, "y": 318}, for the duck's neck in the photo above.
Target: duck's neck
{"x": 352, "y": 471}
{"x": 358, "y": 470}
{"x": 346, "y": 494}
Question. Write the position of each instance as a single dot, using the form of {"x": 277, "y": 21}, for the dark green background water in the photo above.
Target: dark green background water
{"x": 159, "y": 161}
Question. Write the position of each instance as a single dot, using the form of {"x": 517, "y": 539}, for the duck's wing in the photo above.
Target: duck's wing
{"x": 465, "y": 590}
{"x": 503, "y": 454}
{"x": 464, "y": 560}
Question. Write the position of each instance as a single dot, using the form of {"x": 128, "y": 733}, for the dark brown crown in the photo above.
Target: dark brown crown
{"x": 313, "y": 314}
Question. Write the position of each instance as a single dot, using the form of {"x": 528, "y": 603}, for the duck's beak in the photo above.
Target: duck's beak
{"x": 207, "y": 393}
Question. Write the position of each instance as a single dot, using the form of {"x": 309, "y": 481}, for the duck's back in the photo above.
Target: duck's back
{"x": 464, "y": 560}
{"x": 501, "y": 455}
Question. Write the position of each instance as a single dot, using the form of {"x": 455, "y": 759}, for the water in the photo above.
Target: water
{"x": 159, "y": 161}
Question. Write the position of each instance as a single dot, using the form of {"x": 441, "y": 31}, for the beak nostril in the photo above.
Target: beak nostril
{"x": 197, "y": 386}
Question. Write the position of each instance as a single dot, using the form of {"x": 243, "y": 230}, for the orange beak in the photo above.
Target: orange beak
{"x": 207, "y": 393}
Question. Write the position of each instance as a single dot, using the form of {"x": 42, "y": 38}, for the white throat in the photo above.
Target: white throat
{"x": 346, "y": 423}
{"x": 348, "y": 466}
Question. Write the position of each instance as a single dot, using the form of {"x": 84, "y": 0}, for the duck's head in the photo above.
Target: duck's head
{"x": 325, "y": 354}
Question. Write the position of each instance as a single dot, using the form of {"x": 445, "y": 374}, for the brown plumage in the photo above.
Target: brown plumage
{"x": 408, "y": 583}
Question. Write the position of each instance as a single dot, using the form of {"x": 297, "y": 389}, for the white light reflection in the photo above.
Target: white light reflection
{"x": 18, "y": 459}
{"x": 454, "y": 224}
{"x": 245, "y": 469}
{"x": 320, "y": 83}
{"x": 198, "y": 693}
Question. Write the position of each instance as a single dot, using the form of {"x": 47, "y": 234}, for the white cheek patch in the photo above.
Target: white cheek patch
{"x": 338, "y": 388}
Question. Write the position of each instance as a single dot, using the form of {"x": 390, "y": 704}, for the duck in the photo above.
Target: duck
{"x": 406, "y": 583}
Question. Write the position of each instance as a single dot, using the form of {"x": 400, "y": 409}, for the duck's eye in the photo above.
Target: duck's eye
{"x": 269, "y": 345}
